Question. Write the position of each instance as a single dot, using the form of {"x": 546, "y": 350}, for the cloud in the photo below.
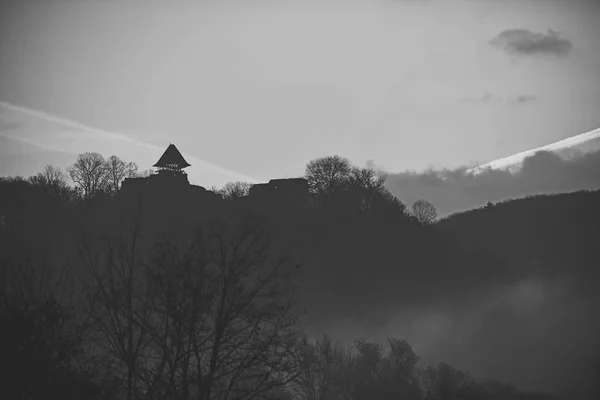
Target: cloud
{"x": 525, "y": 42}
{"x": 574, "y": 144}
{"x": 525, "y": 98}
{"x": 458, "y": 190}
{"x": 489, "y": 98}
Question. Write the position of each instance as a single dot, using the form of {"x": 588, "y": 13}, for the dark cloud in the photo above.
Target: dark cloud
{"x": 489, "y": 98}
{"x": 457, "y": 190}
{"x": 525, "y": 42}
{"x": 525, "y": 98}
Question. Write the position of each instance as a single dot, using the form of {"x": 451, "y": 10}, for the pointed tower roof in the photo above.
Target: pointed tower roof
{"x": 172, "y": 159}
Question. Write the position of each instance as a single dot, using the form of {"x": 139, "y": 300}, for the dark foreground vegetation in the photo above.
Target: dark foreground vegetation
{"x": 164, "y": 297}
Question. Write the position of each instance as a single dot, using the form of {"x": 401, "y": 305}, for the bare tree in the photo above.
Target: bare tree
{"x": 330, "y": 372}
{"x": 117, "y": 170}
{"x": 53, "y": 178}
{"x": 366, "y": 187}
{"x": 118, "y": 302}
{"x": 89, "y": 173}
{"x": 399, "y": 370}
{"x": 210, "y": 319}
{"x": 424, "y": 211}
{"x": 49, "y": 176}
{"x": 326, "y": 173}
{"x": 336, "y": 184}
{"x": 367, "y": 178}
{"x": 235, "y": 190}
{"x": 244, "y": 345}
{"x": 326, "y": 371}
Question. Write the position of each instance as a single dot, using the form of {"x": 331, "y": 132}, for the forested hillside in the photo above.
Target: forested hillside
{"x": 550, "y": 234}
{"x": 210, "y": 296}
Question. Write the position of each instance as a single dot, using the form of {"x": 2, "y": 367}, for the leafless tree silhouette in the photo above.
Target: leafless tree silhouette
{"x": 235, "y": 190}
{"x": 89, "y": 173}
{"x": 211, "y": 318}
{"x": 324, "y": 174}
{"x": 117, "y": 170}
{"x": 424, "y": 211}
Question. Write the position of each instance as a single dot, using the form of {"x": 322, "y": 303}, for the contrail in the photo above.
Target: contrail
{"x": 117, "y": 136}
{"x": 515, "y": 159}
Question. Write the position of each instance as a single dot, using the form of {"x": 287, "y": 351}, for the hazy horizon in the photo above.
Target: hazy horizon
{"x": 567, "y": 165}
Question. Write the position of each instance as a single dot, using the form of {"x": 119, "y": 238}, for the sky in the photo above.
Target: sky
{"x": 254, "y": 89}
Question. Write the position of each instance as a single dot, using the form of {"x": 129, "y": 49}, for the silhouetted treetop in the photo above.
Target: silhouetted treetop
{"x": 117, "y": 170}
{"x": 342, "y": 188}
{"x": 90, "y": 174}
{"x": 424, "y": 211}
{"x": 327, "y": 173}
{"x": 234, "y": 190}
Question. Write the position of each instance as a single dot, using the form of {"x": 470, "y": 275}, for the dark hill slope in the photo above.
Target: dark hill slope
{"x": 550, "y": 234}
{"x": 552, "y": 242}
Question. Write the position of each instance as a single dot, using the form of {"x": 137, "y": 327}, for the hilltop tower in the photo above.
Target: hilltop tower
{"x": 170, "y": 174}
{"x": 167, "y": 194}
{"x": 171, "y": 161}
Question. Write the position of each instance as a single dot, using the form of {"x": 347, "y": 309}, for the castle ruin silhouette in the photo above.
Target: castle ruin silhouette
{"x": 171, "y": 180}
